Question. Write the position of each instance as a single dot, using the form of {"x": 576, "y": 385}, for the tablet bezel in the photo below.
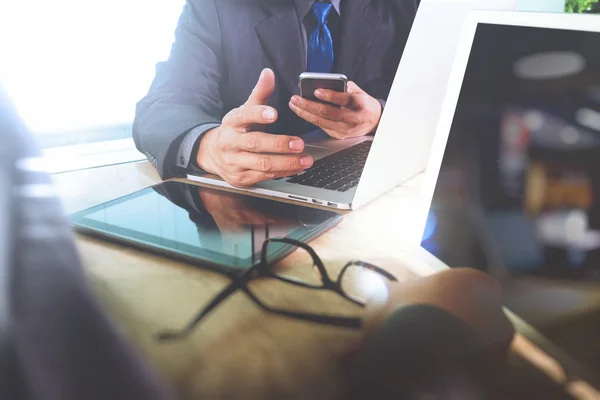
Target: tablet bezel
{"x": 206, "y": 259}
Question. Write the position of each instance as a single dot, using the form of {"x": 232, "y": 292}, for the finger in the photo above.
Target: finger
{"x": 331, "y": 96}
{"x": 353, "y": 88}
{"x": 326, "y": 111}
{"x": 265, "y": 87}
{"x": 318, "y": 120}
{"x": 271, "y": 163}
{"x": 288, "y": 173}
{"x": 246, "y": 115}
{"x": 292, "y": 173}
{"x": 248, "y": 178}
{"x": 260, "y": 142}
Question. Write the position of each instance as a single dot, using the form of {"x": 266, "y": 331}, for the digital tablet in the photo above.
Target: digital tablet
{"x": 204, "y": 226}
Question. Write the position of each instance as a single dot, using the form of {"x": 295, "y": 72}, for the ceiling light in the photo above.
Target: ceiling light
{"x": 569, "y": 135}
{"x": 549, "y": 65}
{"x": 588, "y": 118}
{"x": 534, "y": 120}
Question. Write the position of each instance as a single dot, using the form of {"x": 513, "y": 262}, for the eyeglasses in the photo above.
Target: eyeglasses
{"x": 355, "y": 283}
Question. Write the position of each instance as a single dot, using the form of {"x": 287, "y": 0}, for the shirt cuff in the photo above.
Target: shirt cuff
{"x": 186, "y": 156}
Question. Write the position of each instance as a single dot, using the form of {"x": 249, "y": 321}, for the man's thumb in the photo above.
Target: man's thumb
{"x": 353, "y": 88}
{"x": 264, "y": 88}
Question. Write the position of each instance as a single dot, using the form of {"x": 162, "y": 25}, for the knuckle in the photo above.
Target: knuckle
{"x": 265, "y": 164}
{"x": 228, "y": 160}
{"x": 244, "y": 180}
{"x": 238, "y": 180}
{"x": 291, "y": 164}
{"x": 278, "y": 143}
{"x": 240, "y": 116}
{"x": 223, "y": 146}
{"x": 354, "y": 119}
{"x": 234, "y": 180}
{"x": 352, "y": 131}
{"x": 251, "y": 141}
{"x": 315, "y": 120}
{"x": 324, "y": 110}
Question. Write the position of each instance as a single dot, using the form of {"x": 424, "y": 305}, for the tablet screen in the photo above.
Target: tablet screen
{"x": 218, "y": 227}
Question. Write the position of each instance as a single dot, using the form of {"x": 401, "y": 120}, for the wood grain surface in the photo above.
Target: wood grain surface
{"x": 240, "y": 351}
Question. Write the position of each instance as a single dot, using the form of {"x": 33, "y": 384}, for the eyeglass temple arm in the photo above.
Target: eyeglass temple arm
{"x": 316, "y": 259}
{"x": 169, "y": 335}
{"x": 296, "y": 282}
{"x": 370, "y": 266}
{"x": 345, "y": 322}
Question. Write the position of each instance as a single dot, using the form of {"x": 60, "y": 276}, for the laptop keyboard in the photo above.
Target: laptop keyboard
{"x": 339, "y": 171}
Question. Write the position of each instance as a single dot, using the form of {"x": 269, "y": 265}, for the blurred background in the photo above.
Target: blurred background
{"x": 582, "y": 6}
{"x": 519, "y": 188}
{"x": 76, "y": 68}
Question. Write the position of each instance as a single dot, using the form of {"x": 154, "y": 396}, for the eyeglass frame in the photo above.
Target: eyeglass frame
{"x": 263, "y": 270}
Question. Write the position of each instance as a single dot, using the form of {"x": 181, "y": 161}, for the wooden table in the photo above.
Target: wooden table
{"x": 240, "y": 351}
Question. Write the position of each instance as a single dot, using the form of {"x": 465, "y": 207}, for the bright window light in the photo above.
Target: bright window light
{"x": 71, "y": 65}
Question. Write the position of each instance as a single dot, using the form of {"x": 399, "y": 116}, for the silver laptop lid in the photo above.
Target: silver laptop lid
{"x": 403, "y": 142}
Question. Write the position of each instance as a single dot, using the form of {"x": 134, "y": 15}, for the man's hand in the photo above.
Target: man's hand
{"x": 347, "y": 115}
{"x": 230, "y": 213}
{"x": 243, "y": 156}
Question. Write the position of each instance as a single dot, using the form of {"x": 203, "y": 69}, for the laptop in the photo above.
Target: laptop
{"x": 513, "y": 183}
{"x": 350, "y": 173}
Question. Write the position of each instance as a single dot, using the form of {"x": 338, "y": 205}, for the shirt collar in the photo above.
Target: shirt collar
{"x": 303, "y": 7}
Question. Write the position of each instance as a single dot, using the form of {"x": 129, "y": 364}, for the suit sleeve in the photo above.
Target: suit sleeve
{"x": 56, "y": 341}
{"x": 185, "y": 92}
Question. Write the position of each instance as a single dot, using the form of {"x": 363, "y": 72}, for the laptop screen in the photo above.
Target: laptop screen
{"x": 518, "y": 194}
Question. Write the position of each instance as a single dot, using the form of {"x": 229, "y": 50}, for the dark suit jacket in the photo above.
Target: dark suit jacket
{"x": 221, "y": 47}
{"x": 55, "y": 340}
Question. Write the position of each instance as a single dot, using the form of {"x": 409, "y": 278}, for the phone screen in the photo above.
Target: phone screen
{"x": 309, "y": 85}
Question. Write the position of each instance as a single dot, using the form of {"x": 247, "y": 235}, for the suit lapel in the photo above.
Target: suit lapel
{"x": 360, "y": 23}
{"x": 280, "y": 36}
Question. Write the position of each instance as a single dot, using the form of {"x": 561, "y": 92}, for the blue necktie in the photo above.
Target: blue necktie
{"x": 320, "y": 43}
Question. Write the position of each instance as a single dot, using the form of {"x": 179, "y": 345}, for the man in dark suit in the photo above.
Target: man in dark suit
{"x": 206, "y": 110}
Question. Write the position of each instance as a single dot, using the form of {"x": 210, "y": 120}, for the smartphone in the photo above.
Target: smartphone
{"x": 311, "y": 81}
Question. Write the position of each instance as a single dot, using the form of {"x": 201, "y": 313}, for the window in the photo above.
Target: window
{"x": 76, "y": 68}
